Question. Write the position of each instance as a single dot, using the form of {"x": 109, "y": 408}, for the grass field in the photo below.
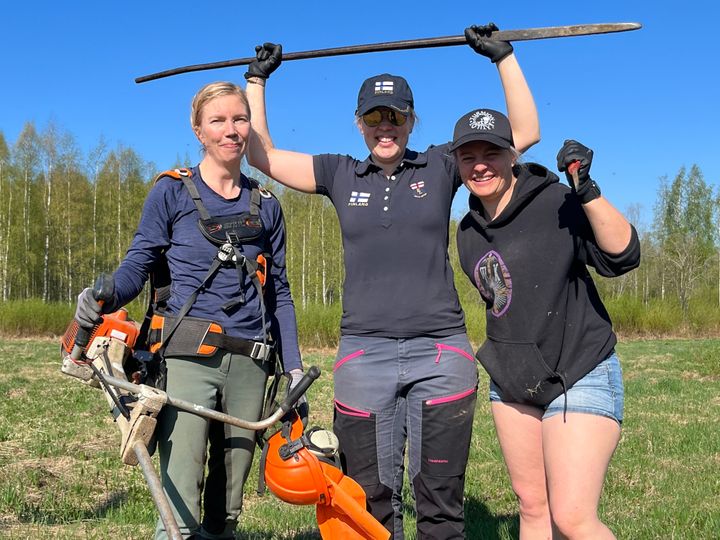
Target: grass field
{"x": 61, "y": 476}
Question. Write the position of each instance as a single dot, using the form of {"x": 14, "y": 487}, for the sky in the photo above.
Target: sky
{"x": 645, "y": 101}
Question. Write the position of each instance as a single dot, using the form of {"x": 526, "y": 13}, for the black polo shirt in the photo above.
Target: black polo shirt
{"x": 398, "y": 278}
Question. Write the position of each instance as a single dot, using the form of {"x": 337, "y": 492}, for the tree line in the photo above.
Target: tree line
{"x": 66, "y": 216}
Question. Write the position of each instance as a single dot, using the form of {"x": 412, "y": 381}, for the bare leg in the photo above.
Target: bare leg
{"x": 519, "y": 430}
{"x": 577, "y": 454}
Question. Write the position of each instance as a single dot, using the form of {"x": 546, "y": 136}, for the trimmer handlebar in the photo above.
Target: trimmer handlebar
{"x": 308, "y": 378}
{"x": 103, "y": 291}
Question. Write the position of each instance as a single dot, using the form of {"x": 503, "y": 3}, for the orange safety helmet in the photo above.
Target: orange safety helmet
{"x": 291, "y": 471}
{"x": 295, "y": 474}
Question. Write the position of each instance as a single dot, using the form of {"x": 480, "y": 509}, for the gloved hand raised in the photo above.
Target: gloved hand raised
{"x": 88, "y": 312}
{"x": 268, "y": 59}
{"x": 476, "y": 37}
{"x": 586, "y": 188}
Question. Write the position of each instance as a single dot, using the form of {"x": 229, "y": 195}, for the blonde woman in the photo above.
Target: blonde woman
{"x": 214, "y": 265}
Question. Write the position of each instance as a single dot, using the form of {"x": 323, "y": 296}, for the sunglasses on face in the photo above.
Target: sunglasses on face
{"x": 374, "y": 117}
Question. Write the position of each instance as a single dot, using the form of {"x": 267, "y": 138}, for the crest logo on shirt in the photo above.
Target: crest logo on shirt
{"x": 417, "y": 187}
{"x": 359, "y": 198}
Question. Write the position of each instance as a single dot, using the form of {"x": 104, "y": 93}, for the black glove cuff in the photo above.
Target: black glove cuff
{"x": 588, "y": 191}
{"x": 251, "y": 74}
{"x": 503, "y": 54}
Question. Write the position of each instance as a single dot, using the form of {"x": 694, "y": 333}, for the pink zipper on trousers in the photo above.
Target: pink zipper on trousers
{"x": 349, "y": 357}
{"x": 350, "y": 411}
{"x": 441, "y": 346}
{"x": 448, "y": 399}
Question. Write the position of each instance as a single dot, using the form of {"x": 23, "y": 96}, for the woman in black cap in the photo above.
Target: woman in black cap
{"x": 556, "y": 390}
{"x": 404, "y": 371}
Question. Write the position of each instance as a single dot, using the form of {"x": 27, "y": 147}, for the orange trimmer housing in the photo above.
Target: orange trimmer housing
{"x": 114, "y": 325}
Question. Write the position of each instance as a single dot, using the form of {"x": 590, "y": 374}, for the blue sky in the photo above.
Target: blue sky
{"x": 645, "y": 101}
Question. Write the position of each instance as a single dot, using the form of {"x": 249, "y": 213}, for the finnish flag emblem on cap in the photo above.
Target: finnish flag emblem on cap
{"x": 482, "y": 120}
{"x": 384, "y": 87}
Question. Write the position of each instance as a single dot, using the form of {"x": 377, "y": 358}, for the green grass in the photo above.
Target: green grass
{"x": 670, "y": 451}
{"x": 62, "y": 476}
{"x": 318, "y": 325}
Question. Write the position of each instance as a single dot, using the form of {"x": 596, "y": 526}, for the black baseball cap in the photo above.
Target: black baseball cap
{"x": 483, "y": 125}
{"x": 385, "y": 91}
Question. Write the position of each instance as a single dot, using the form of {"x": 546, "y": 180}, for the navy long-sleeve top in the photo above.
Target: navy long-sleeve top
{"x": 169, "y": 225}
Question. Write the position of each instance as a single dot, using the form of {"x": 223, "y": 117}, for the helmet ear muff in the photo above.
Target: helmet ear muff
{"x": 322, "y": 442}
{"x": 324, "y": 445}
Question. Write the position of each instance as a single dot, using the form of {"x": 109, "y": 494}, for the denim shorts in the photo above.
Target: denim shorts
{"x": 600, "y": 392}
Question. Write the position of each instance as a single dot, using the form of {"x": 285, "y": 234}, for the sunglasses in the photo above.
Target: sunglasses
{"x": 374, "y": 117}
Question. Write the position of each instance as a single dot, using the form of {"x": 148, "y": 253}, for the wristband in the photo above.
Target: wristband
{"x": 588, "y": 191}
{"x": 256, "y": 80}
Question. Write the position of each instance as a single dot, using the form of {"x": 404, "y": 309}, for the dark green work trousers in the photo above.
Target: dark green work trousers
{"x": 233, "y": 384}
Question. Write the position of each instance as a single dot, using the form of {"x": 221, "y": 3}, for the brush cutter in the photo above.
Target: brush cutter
{"x": 299, "y": 467}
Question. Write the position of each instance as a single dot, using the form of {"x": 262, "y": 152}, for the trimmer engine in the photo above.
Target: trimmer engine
{"x": 114, "y": 325}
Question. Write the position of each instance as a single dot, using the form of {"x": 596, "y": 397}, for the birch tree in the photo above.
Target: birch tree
{"x": 5, "y": 214}
{"x": 94, "y": 162}
{"x": 686, "y": 232}
{"x": 26, "y": 158}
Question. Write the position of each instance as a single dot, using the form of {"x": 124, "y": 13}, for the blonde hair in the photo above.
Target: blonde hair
{"x": 211, "y": 91}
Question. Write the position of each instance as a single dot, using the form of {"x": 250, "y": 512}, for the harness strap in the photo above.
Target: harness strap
{"x": 204, "y": 214}
{"x": 242, "y": 264}
{"x": 195, "y": 195}
{"x": 254, "y": 198}
{"x": 216, "y": 339}
{"x": 159, "y": 295}
{"x": 185, "y": 175}
{"x": 252, "y": 267}
{"x": 254, "y": 349}
{"x": 189, "y": 302}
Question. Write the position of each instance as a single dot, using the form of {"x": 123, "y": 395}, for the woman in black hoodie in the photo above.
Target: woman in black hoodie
{"x": 556, "y": 391}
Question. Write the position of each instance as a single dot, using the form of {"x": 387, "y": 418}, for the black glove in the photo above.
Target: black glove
{"x": 268, "y": 59}
{"x": 88, "y": 312}
{"x": 494, "y": 50}
{"x": 586, "y": 189}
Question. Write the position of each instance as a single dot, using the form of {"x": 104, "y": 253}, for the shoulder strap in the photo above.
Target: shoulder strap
{"x": 186, "y": 176}
{"x": 195, "y": 196}
{"x": 256, "y": 192}
{"x": 175, "y": 174}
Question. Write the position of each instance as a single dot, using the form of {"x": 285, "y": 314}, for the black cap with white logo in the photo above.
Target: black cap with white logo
{"x": 483, "y": 125}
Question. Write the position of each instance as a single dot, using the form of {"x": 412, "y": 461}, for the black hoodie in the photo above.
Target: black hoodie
{"x": 546, "y": 324}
